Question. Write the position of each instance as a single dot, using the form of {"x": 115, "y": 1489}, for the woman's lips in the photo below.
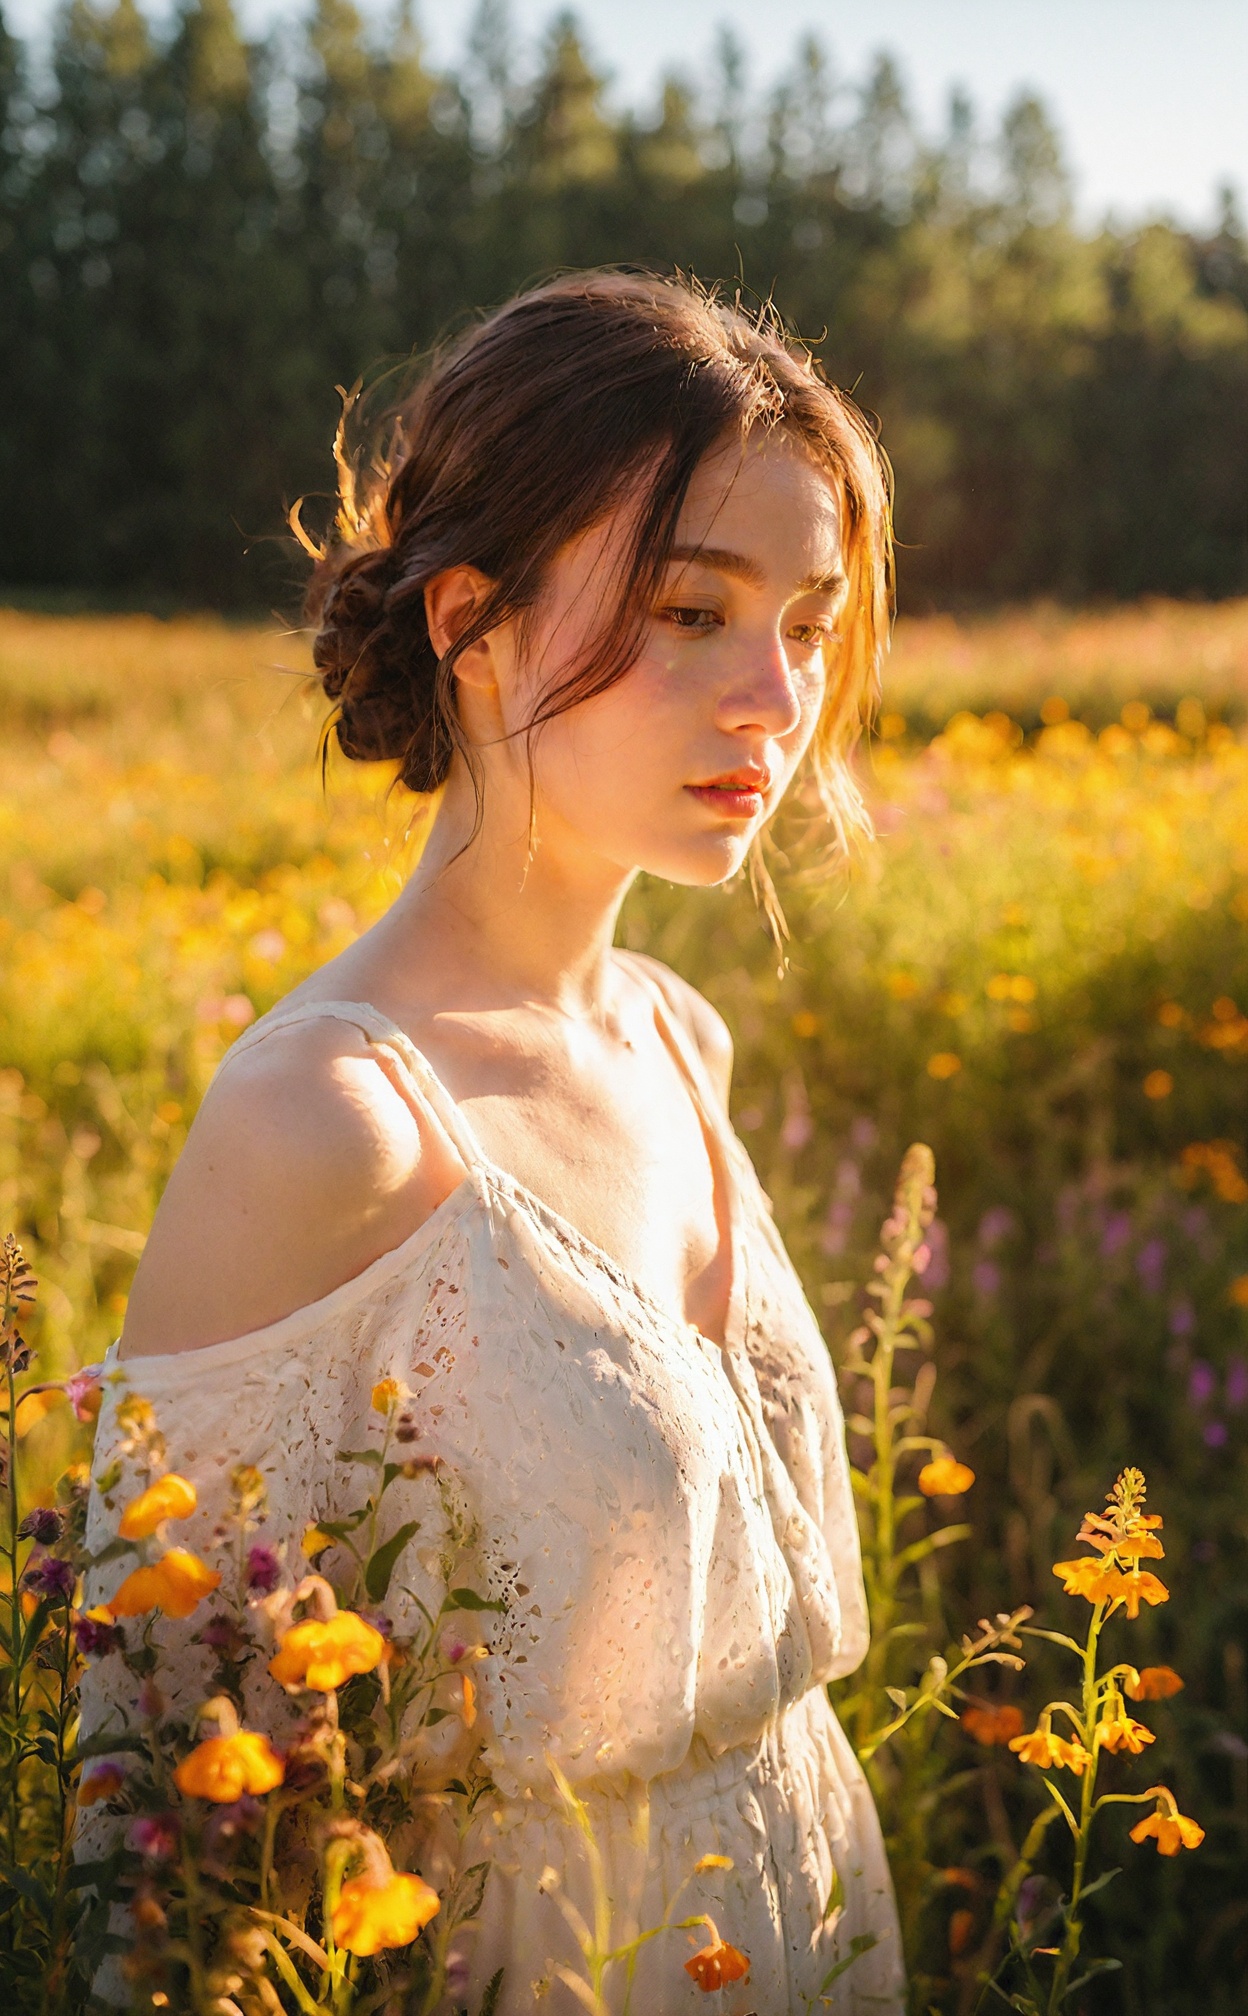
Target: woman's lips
{"x": 732, "y": 799}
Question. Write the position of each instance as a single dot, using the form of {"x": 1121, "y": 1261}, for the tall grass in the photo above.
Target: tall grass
{"x": 1041, "y": 968}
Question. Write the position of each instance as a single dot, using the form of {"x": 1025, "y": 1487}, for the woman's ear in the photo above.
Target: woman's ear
{"x": 452, "y": 599}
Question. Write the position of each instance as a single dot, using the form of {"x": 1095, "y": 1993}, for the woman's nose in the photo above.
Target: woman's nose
{"x": 764, "y": 692}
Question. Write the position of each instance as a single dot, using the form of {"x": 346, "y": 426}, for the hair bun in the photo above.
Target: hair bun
{"x": 376, "y": 662}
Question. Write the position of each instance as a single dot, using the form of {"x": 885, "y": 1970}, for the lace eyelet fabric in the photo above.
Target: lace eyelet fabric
{"x": 668, "y": 1524}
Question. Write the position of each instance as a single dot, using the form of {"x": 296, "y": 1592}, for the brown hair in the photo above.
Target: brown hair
{"x": 596, "y": 390}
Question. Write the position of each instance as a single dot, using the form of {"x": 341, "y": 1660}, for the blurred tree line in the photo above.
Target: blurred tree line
{"x": 201, "y": 236}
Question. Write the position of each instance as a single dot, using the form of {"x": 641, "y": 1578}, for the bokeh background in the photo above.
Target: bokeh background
{"x": 208, "y": 222}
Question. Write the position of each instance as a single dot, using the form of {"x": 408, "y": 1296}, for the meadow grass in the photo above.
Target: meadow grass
{"x": 1041, "y": 968}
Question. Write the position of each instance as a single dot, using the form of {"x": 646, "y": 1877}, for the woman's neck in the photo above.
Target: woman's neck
{"x": 503, "y": 916}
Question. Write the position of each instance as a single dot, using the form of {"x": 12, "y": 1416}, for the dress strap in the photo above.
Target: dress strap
{"x": 420, "y": 1079}
{"x": 685, "y": 1051}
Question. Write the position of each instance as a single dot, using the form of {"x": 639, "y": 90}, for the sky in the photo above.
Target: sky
{"x": 1150, "y": 96}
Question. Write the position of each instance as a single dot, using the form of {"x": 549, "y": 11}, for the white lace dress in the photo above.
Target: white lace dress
{"x": 669, "y": 1524}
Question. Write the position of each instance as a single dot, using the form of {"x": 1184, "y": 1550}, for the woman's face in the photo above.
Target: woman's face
{"x": 676, "y": 767}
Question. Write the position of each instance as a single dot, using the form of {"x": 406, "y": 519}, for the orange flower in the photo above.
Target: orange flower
{"x": 945, "y": 1478}
{"x": 1139, "y": 1547}
{"x": 1084, "y": 1577}
{"x": 170, "y": 1497}
{"x": 1134, "y": 1588}
{"x": 468, "y": 1707}
{"x": 991, "y": 1725}
{"x": 175, "y": 1584}
{"x": 1154, "y": 1683}
{"x": 1171, "y": 1829}
{"x": 705, "y": 1862}
{"x": 224, "y": 1767}
{"x": 370, "y": 1916}
{"x": 1122, "y": 1732}
{"x": 321, "y": 1654}
{"x": 104, "y": 1782}
{"x": 1046, "y": 1750}
{"x": 714, "y": 1966}
{"x": 961, "y": 1930}
{"x": 385, "y": 1395}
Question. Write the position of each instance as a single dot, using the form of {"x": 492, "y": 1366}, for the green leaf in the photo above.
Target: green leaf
{"x": 1090, "y": 1973}
{"x": 338, "y": 1529}
{"x": 1090, "y": 1889}
{"x": 112, "y": 1552}
{"x": 468, "y": 1599}
{"x": 469, "y": 1894}
{"x": 493, "y": 1989}
{"x": 103, "y": 1744}
{"x": 372, "y": 1456}
{"x": 836, "y": 1895}
{"x": 381, "y": 1564}
{"x": 861, "y": 1943}
{"x": 29, "y": 1887}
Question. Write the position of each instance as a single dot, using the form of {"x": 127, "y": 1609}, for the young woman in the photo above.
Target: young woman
{"x": 625, "y": 574}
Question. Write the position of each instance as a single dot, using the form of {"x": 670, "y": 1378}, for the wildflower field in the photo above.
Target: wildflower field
{"x": 1041, "y": 969}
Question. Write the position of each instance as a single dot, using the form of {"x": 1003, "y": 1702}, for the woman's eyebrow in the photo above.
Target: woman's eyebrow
{"x": 739, "y": 565}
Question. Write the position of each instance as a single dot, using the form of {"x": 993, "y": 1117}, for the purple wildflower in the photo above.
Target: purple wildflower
{"x": 43, "y": 1525}
{"x": 996, "y": 1224}
{"x": 264, "y": 1570}
{"x": 986, "y": 1277}
{"x": 154, "y": 1836}
{"x": 1150, "y": 1265}
{"x": 225, "y": 1827}
{"x": 51, "y": 1577}
{"x": 1182, "y": 1318}
{"x": 1237, "y": 1382}
{"x": 1202, "y": 1383}
{"x": 95, "y": 1637}
{"x": 1214, "y": 1433}
{"x": 1115, "y": 1232}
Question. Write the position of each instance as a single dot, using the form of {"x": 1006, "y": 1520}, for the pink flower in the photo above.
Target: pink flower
{"x": 264, "y": 1570}
{"x": 84, "y": 1392}
{"x": 154, "y": 1836}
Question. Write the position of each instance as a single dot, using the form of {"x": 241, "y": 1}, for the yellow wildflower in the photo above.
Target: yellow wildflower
{"x": 315, "y": 1542}
{"x": 1154, "y": 1683}
{"x": 1042, "y": 1748}
{"x": 1121, "y": 1732}
{"x": 1171, "y": 1829}
{"x": 944, "y": 1064}
{"x": 224, "y": 1767}
{"x": 945, "y": 1477}
{"x": 174, "y": 1584}
{"x": 370, "y": 1916}
{"x": 323, "y": 1653}
{"x": 705, "y": 1862}
{"x": 170, "y": 1497}
{"x": 385, "y": 1396}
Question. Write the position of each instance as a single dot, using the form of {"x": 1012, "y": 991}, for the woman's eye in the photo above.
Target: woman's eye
{"x": 683, "y": 617}
{"x": 813, "y": 633}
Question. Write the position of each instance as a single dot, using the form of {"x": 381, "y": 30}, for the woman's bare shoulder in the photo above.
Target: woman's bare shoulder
{"x": 704, "y": 1024}
{"x": 303, "y": 1165}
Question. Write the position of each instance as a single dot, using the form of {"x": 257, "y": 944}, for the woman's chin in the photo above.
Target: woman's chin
{"x": 701, "y": 864}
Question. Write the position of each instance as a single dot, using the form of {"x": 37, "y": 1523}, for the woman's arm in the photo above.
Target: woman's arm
{"x": 304, "y": 1165}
